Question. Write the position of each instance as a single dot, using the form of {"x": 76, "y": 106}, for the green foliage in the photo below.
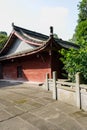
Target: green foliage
{"x": 81, "y": 33}
{"x": 55, "y": 35}
{"x": 82, "y": 7}
{"x": 76, "y": 60}
{"x": 3, "y": 39}
{"x": 81, "y": 28}
{"x": 3, "y": 32}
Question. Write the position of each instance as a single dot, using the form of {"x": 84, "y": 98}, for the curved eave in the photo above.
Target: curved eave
{"x": 15, "y": 35}
{"x": 66, "y": 44}
{"x": 32, "y": 42}
{"x": 26, "y": 53}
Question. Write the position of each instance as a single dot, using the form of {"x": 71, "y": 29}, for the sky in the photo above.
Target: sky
{"x": 39, "y": 15}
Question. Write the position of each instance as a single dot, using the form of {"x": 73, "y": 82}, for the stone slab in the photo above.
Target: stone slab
{"x": 29, "y": 108}
{"x": 39, "y": 122}
{"x": 16, "y": 124}
{"x": 14, "y": 110}
{"x": 4, "y": 115}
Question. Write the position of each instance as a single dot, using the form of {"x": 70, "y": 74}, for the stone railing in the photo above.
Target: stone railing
{"x": 72, "y": 93}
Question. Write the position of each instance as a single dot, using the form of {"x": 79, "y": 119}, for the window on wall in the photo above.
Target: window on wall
{"x": 19, "y": 71}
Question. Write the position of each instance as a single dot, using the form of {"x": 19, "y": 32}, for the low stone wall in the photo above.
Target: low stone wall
{"x": 66, "y": 95}
{"x": 69, "y": 96}
{"x": 84, "y": 100}
{"x": 71, "y": 93}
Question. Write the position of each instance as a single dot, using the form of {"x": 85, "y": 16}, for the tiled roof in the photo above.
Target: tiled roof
{"x": 66, "y": 44}
{"x": 41, "y": 41}
{"x": 30, "y": 33}
{"x": 41, "y": 38}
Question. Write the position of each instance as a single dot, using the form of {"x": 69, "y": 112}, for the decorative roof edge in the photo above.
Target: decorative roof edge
{"x": 14, "y": 33}
{"x": 25, "y": 53}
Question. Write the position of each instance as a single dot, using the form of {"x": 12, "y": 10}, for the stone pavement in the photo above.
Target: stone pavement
{"x": 23, "y": 107}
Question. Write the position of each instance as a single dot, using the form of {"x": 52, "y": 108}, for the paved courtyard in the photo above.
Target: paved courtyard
{"x": 26, "y": 107}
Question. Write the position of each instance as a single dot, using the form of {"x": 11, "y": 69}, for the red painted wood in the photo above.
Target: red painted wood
{"x": 34, "y": 68}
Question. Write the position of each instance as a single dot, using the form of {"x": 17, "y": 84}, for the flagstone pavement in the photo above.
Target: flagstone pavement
{"x": 27, "y": 107}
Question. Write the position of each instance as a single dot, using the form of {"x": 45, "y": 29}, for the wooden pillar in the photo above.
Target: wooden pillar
{"x": 47, "y": 82}
{"x": 1, "y": 71}
{"x": 78, "y": 95}
{"x": 54, "y": 85}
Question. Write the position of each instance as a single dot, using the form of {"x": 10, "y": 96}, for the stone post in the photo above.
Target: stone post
{"x": 47, "y": 82}
{"x": 54, "y": 86}
{"x": 78, "y": 95}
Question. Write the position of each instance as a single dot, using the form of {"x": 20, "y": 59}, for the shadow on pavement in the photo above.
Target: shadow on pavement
{"x": 8, "y": 83}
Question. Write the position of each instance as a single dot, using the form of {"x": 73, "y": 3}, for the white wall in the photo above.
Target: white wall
{"x": 19, "y": 46}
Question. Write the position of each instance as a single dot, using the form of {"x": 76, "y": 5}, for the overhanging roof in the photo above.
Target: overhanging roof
{"x": 39, "y": 40}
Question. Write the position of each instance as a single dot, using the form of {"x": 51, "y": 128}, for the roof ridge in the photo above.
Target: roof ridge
{"x": 17, "y": 28}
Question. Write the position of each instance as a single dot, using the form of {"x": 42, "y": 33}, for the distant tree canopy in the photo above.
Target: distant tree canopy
{"x": 3, "y": 39}
{"x": 76, "y": 60}
{"x": 55, "y": 35}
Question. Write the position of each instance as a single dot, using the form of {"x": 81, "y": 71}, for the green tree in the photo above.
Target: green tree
{"x": 81, "y": 28}
{"x": 3, "y": 39}
{"x": 76, "y": 60}
{"x": 82, "y": 7}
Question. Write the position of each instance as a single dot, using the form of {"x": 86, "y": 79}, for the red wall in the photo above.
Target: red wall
{"x": 34, "y": 68}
